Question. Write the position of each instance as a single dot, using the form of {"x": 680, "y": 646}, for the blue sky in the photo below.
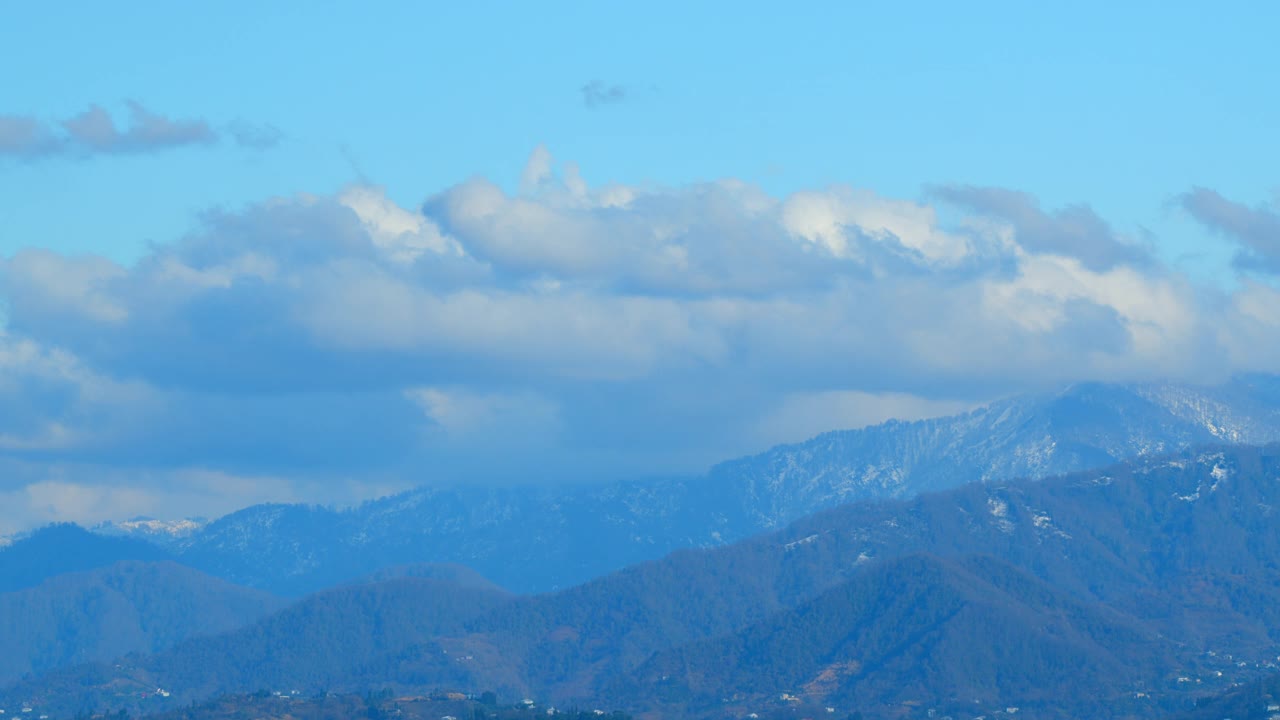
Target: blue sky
{"x": 1118, "y": 105}
{"x": 1114, "y": 163}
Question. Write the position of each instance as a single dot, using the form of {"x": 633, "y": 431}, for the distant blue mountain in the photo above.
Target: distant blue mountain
{"x": 1129, "y": 591}
{"x": 65, "y": 548}
{"x": 539, "y": 538}
{"x": 129, "y": 606}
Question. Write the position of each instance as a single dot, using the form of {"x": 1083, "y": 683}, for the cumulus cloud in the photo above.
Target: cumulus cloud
{"x": 1255, "y": 230}
{"x": 537, "y": 171}
{"x": 853, "y": 223}
{"x": 569, "y": 331}
{"x": 96, "y": 131}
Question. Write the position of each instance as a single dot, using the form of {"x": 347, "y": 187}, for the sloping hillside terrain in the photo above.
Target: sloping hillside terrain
{"x": 131, "y": 606}
{"x": 1146, "y": 584}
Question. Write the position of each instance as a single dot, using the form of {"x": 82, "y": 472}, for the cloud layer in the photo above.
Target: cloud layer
{"x": 96, "y": 132}
{"x": 330, "y": 347}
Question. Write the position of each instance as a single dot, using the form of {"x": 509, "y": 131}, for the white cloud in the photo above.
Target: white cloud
{"x": 402, "y": 234}
{"x": 1159, "y": 311}
{"x": 537, "y": 171}
{"x": 802, "y": 415}
{"x": 74, "y": 286}
{"x": 585, "y": 329}
{"x": 68, "y": 492}
{"x": 839, "y": 218}
{"x": 476, "y": 417}
{"x": 85, "y": 504}
{"x": 545, "y": 332}
{"x": 57, "y": 403}
{"x": 1251, "y": 331}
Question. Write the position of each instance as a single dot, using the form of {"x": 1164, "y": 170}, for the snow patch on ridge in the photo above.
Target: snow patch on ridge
{"x": 1044, "y": 522}
{"x": 175, "y": 528}
{"x": 999, "y": 510}
{"x": 797, "y": 543}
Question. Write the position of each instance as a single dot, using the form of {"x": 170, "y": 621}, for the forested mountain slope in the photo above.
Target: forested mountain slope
{"x": 131, "y": 606}
{"x": 65, "y": 548}
{"x": 1130, "y": 578}
{"x": 539, "y": 537}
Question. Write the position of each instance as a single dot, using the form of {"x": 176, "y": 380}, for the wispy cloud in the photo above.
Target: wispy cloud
{"x": 1256, "y": 231}
{"x": 255, "y": 136}
{"x": 97, "y": 132}
{"x": 26, "y": 137}
{"x": 597, "y": 94}
{"x": 1075, "y": 231}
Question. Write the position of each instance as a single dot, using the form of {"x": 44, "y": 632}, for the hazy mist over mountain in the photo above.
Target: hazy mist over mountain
{"x": 538, "y": 537}
{"x": 721, "y": 361}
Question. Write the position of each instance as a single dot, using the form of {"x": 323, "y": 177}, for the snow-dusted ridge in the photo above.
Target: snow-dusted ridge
{"x": 528, "y": 537}
{"x": 166, "y": 533}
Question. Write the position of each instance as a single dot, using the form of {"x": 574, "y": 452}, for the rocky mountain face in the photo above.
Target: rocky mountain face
{"x": 540, "y": 538}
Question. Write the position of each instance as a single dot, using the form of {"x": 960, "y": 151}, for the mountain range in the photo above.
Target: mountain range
{"x": 66, "y": 548}
{"x": 537, "y": 538}
{"x": 190, "y": 602}
{"x": 128, "y": 606}
{"x": 1129, "y": 591}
